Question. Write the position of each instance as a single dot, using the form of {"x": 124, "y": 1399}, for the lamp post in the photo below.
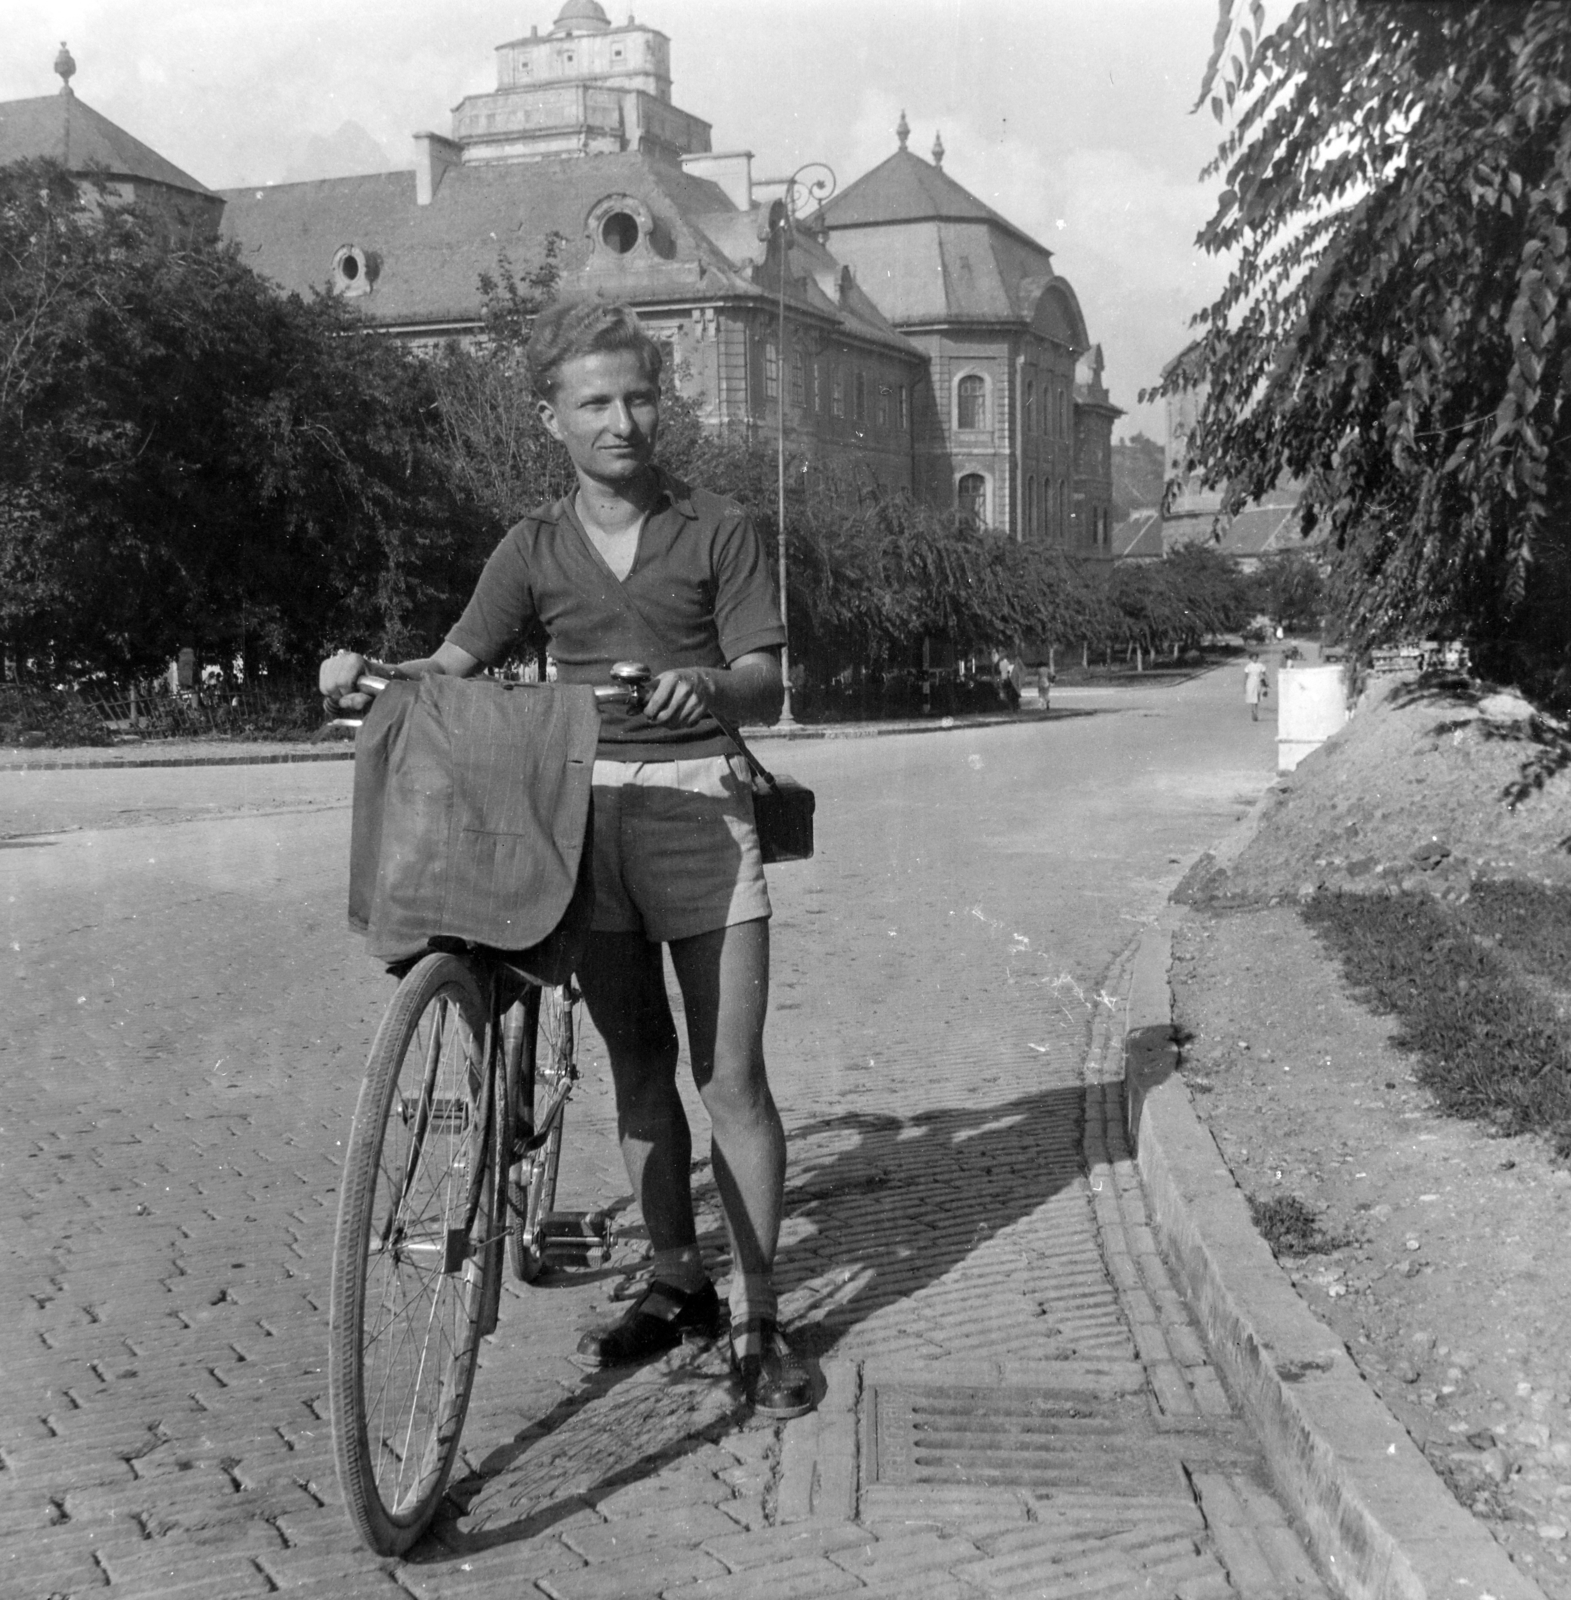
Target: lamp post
{"x": 812, "y": 182}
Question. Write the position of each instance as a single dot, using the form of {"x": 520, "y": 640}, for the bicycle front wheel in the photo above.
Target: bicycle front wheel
{"x": 410, "y": 1255}
{"x": 547, "y": 1071}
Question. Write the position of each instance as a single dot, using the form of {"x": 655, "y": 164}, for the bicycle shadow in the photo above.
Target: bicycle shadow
{"x": 580, "y": 1452}
{"x": 895, "y": 1204}
{"x": 901, "y": 1205}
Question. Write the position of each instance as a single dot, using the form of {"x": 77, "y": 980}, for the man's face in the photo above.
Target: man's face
{"x": 607, "y": 412}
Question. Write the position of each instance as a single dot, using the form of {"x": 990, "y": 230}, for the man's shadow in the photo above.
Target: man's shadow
{"x": 901, "y": 1203}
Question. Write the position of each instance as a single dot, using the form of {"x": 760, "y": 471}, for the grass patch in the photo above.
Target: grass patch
{"x": 1479, "y": 990}
{"x": 1292, "y": 1227}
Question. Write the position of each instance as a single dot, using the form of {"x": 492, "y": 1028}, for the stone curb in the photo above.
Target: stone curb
{"x": 847, "y": 730}
{"x": 1378, "y": 1518}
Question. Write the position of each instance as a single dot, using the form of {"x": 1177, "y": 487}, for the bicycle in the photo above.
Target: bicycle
{"x": 453, "y": 1156}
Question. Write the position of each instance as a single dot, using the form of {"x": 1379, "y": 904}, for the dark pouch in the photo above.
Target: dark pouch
{"x": 783, "y": 814}
{"x": 782, "y": 807}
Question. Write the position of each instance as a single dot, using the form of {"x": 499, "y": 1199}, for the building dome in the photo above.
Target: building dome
{"x": 581, "y": 16}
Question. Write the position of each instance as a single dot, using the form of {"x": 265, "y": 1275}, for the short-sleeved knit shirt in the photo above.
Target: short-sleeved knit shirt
{"x": 700, "y": 578}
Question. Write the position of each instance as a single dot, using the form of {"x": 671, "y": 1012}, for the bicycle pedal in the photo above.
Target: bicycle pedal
{"x": 581, "y": 1225}
{"x": 577, "y": 1239}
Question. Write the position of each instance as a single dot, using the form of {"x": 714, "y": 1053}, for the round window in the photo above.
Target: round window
{"x": 619, "y": 232}
{"x": 350, "y": 266}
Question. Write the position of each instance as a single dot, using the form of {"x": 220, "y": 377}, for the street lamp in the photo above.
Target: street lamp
{"x": 812, "y": 182}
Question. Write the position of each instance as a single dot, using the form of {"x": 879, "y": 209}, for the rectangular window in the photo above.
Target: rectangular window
{"x": 883, "y": 405}
{"x": 837, "y": 393}
{"x": 771, "y": 370}
{"x": 818, "y": 386}
{"x": 859, "y": 397}
{"x": 798, "y": 386}
{"x": 905, "y": 415}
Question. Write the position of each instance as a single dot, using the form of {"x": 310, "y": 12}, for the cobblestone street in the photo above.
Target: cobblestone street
{"x": 965, "y": 1243}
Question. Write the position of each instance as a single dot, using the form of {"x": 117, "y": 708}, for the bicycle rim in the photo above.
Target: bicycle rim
{"x": 409, "y": 1260}
{"x": 532, "y": 1190}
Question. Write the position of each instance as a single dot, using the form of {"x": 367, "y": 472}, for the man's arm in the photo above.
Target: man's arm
{"x": 749, "y": 690}
{"x": 339, "y": 672}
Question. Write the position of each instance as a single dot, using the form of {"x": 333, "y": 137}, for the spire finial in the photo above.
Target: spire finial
{"x": 65, "y": 66}
{"x": 938, "y": 150}
{"x": 902, "y": 130}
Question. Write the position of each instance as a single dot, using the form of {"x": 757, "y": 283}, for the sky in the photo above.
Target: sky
{"x": 1070, "y": 117}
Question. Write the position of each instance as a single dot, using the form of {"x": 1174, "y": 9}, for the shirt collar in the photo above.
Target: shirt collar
{"x": 671, "y": 492}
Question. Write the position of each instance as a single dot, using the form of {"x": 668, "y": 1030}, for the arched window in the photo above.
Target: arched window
{"x": 971, "y": 402}
{"x": 1063, "y": 507}
{"x": 1028, "y": 522}
{"x": 971, "y": 495}
{"x": 1030, "y": 405}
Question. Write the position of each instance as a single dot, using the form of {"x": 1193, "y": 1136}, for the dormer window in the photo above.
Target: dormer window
{"x": 353, "y": 270}
{"x": 619, "y": 232}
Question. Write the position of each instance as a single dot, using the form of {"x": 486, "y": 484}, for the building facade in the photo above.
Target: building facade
{"x": 904, "y": 334}
{"x": 1008, "y": 426}
{"x": 118, "y": 169}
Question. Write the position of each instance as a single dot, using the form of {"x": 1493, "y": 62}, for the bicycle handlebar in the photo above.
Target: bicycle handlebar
{"x": 631, "y": 688}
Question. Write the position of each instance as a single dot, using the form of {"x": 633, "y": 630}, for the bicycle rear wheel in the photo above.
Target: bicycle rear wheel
{"x": 548, "y": 1068}
{"x": 411, "y": 1254}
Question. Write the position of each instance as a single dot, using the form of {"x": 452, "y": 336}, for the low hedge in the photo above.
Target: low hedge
{"x": 1482, "y": 991}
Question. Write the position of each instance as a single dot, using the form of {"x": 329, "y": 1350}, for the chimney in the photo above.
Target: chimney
{"x": 732, "y": 170}
{"x": 434, "y": 154}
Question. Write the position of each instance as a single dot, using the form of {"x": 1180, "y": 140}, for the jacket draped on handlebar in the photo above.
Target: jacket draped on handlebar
{"x": 472, "y": 818}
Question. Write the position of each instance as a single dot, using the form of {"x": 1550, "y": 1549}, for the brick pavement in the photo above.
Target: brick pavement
{"x": 181, "y": 1061}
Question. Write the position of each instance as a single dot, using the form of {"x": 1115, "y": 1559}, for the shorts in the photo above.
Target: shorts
{"x": 676, "y": 851}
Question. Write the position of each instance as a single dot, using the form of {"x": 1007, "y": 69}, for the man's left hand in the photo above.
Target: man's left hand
{"x": 679, "y": 698}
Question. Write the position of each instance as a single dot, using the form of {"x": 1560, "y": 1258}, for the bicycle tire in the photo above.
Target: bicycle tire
{"x": 548, "y": 1062}
{"x": 410, "y": 1268}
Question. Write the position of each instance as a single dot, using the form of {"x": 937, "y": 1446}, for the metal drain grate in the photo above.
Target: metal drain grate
{"x": 1015, "y": 1438}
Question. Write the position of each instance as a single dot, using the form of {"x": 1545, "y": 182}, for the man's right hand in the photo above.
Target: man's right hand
{"x": 337, "y": 680}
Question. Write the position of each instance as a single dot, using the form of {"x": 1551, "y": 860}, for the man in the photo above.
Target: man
{"x": 1254, "y": 685}
{"x": 635, "y": 564}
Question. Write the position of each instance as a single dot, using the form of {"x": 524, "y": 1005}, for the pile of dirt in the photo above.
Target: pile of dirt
{"x": 1431, "y": 785}
{"x": 1439, "y": 1250}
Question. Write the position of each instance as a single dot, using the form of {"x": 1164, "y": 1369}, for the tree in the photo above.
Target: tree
{"x": 1288, "y": 588}
{"x": 189, "y": 457}
{"x": 1393, "y": 332}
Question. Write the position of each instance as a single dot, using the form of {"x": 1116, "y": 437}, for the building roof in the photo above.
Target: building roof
{"x": 932, "y": 254}
{"x": 1138, "y": 537}
{"x": 426, "y": 261}
{"x": 62, "y": 128}
{"x": 1260, "y": 529}
{"x": 905, "y": 188}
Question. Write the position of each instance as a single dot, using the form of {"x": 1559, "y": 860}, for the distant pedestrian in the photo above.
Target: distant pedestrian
{"x": 1009, "y": 681}
{"x": 1255, "y": 688}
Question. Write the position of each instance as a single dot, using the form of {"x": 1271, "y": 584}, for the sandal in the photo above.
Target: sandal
{"x": 775, "y": 1379}
{"x": 658, "y": 1320}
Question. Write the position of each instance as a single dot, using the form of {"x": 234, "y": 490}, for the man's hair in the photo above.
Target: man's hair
{"x": 584, "y": 328}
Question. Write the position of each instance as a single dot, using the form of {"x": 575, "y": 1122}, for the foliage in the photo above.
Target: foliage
{"x": 189, "y": 457}
{"x": 1292, "y": 1227}
{"x": 50, "y": 716}
{"x": 1394, "y": 328}
{"x": 1474, "y": 988}
{"x": 1288, "y": 587}
{"x": 1139, "y": 466}
{"x": 1193, "y": 592}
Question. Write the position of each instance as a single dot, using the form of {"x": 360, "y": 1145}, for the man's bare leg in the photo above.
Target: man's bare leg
{"x": 725, "y": 989}
{"x": 623, "y": 979}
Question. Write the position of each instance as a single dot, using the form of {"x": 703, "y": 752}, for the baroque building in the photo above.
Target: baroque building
{"x": 116, "y": 168}
{"x": 903, "y": 332}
